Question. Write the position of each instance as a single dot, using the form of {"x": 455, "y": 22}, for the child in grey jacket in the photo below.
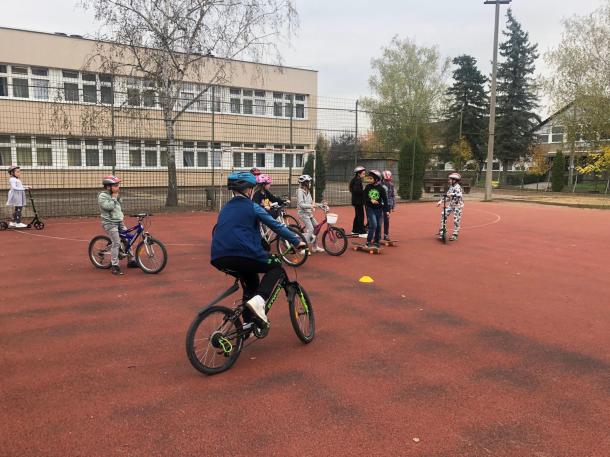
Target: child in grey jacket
{"x": 305, "y": 209}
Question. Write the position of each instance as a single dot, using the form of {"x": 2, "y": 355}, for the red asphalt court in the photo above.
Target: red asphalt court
{"x": 497, "y": 345}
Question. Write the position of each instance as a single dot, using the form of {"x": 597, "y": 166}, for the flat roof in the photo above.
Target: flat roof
{"x": 81, "y": 37}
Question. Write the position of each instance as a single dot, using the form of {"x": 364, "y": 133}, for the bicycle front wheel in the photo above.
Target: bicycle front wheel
{"x": 214, "y": 340}
{"x": 151, "y": 255}
{"x": 301, "y": 315}
{"x": 288, "y": 253}
{"x": 292, "y": 222}
{"x": 99, "y": 252}
{"x": 334, "y": 241}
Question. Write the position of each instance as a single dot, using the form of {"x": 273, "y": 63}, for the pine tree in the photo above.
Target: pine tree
{"x": 405, "y": 169}
{"x": 468, "y": 102}
{"x": 517, "y": 97}
{"x": 322, "y": 148}
{"x": 558, "y": 172}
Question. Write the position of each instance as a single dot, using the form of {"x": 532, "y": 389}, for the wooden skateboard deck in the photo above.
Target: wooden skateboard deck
{"x": 363, "y": 247}
{"x": 389, "y": 242}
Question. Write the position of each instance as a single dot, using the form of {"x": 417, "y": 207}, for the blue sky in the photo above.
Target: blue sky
{"x": 339, "y": 37}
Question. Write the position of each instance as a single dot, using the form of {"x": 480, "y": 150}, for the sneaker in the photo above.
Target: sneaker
{"x": 116, "y": 270}
{"x": 454, "y": 237}
{"x": 20, "y": 225}
{"x": 376, "y": 244}
{"x": 318, "y": 249}
{"x": 363, "y": 235}
{"x": 386, "y": 238}
{"x": 12, "y": 224}
{"x": 132, "y": 264}
{"x": 369, "y": 245}
{"x": 257, "y": 305}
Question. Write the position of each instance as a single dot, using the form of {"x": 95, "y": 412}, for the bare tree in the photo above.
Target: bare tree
{"x": 170, "y": 43}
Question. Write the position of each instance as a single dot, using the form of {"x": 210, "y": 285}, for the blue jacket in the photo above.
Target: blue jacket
{"x": 237, "y": 231}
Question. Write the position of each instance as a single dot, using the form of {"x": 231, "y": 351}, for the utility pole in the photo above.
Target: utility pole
{"x": 492, "y": 110}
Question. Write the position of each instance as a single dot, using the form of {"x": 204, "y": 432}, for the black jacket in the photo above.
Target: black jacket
{"x": 378, "y": 193}
{"x": 355, "y": 187}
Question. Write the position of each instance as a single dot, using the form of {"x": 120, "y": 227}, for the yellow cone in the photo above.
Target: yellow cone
{"x": 366, "y": 279}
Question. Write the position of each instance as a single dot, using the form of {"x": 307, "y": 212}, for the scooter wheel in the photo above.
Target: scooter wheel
{"x": 38, "y": 225}
{"x": 3, "y": 225}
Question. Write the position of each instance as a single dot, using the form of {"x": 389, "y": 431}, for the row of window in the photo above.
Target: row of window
{"x": 43, "y": 151}
{"x": 550, "y": 134}
{"x": 85, "y": 87}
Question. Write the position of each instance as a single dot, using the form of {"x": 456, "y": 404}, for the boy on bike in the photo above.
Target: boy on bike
{"x": 455, "y": 205}
{"x": 112, "y": 221}
{"x": 237, "y": 244}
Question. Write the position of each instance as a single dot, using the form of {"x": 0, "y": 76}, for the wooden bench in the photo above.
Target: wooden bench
{"x": 440, "y": 185}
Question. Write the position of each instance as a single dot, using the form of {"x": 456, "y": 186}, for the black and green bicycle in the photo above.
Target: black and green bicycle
{"x": 216, "y": 336}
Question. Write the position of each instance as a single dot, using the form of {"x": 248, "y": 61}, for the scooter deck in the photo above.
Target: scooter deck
{"x": 389, "y": 242}
{"x": 363, "y": 247}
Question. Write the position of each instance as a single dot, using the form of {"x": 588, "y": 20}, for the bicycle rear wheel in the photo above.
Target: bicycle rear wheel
{"x": 301, "y": 315}
{"x": 151, "y": 255}
{"x": 334, "y": 241}
{"x": 214, "y": 340}
{"x": 291, "y": 221}
{"x": 99, "y": 251}
{"x": 288, "y": 253}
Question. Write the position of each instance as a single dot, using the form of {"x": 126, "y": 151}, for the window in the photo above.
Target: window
{"x": 5, "y": 144}
{"x": 89, "y": 77}
{"x": 188, "y": 154}
{"x": 277, "y": 109}
{"x": 106, "y": 79}
{"x": 163, "y": 153}
{"x": 217, "y": 104}
{"x": 278, "y": 160}
{"x": 278, "y": 95}
{"x": 298, "y": 160}
{"x": 299, "y": 98}
{"x": 71, "y": 92}
{"x": 248, "y": 106}
{"x": 202, "y": 103}
{"x": 70, "y": 74}
{"x": 41, "y": 89}
{"x": 234, "y": 91}
{"x": 557, "y": 135}
{"x": 24, "y": 151}
{"x": 248, "y": 159}
{"x": 92, "y": 153}
{"x": 74, "y": 153}
{"x": 44, "y": 156}
{"x": 235, "y": 105}
{"x": 543, "y": 138}
{"x": 185, "y": 99}
{"x": 260, "y": 107}
{"x": 202, "y": 157}
{"x": 260, "y": 93}
{"x": 289, "y": 160}
{"x": 3, "y": 69}
{"x": 20, "y": 88}
{"x": 3, "y": 87}
{"x": 150, "y": 153}
{"x": 19, "y": 70}
{"x": 133, "y": 96}
{"x": 149, "y": 98}
{"x": 300, "y": 112}
{"x": 237, "y": 159}
{"x": 288, "y": 108}
{"x": 106, "y": 95}
{"x": 135, "y": 153}
{"x": 260, "y": 159}
{"x": 89, "y": 93}
{"x": 247, "y": 93}
{"x": 109, "y": 154}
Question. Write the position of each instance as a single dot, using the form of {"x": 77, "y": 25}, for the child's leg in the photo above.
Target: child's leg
{"x": 379, "y": 217}
{"x": 17, "y": 214}
{"x": 457, "y": 220}
{"x": 307, "y": 221}
{"x": 112, "y": 229}
{"x": 386, "y": 224}
{"x": 444, "y": 216}
{"x": 372, "y": 220}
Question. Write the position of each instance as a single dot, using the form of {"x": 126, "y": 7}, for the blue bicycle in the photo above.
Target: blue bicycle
{"x": 150, "y": 253}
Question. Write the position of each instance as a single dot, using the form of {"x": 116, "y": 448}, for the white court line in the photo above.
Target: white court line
{"x": 498, "y": 218}
{"x": 86, "y": 241}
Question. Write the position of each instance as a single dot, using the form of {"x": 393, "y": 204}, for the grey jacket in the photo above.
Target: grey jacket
{"x": 110, "y": 208}
{"x": 304, "y": 202}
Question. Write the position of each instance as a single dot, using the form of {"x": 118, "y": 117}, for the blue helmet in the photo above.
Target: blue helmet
{"x": 241, "y": 180}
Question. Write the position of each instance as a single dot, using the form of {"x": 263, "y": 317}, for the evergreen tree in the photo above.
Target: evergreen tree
{"x": 517, "y": 97}
{"x": 319, "y": 181}
{"x": 405, "y": 169}
{"x": 558, "y": 172}
{"x": 468, "y": 102}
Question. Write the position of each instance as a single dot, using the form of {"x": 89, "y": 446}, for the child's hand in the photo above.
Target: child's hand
{"x": 439, "y": 203}
{"x": 374, "y": 202}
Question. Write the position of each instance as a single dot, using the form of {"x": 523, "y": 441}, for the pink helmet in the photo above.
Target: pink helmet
{"x": 264, "y": 179}
{"x": 387, "y": 175}
{"x": 455, "y": 176}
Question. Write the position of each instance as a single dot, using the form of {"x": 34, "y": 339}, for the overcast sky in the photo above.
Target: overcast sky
{"x": 339, "y": 37}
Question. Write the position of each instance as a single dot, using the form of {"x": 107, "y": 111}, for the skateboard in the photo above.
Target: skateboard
{"x": 363, "y": 247}
{"x": 389, "y": 242}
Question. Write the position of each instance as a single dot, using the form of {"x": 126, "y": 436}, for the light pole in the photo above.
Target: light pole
{"x": 492, "y": 109}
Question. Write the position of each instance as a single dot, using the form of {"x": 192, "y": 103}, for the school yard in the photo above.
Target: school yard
{"x": 497, "y": 345}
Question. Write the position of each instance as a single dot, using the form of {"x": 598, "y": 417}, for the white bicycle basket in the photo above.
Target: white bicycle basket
{"x": 332, "y": 218}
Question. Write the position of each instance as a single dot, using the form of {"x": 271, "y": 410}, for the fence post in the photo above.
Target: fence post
{"x": 112, "y": 128}
{"x": 356, "y": 138}
{"x": 291, "y": 148}
{"x": 212, "y": 148}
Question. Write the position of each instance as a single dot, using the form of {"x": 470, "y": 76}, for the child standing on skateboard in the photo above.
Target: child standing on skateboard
{"x": 391, "y": 194}
{"x": 376, "y": 200}
{"x": 455, "y": 204}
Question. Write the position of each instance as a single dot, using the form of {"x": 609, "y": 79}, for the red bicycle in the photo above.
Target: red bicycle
{"x": 334, "y": 239}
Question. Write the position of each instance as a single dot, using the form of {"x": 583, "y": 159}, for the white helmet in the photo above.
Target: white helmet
{"x": 358, "y": 169}
{"x": 455, "y": 176}
{"x": 304, "y": 178}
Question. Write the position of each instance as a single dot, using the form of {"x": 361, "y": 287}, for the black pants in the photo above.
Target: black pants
{"x": 358, "y": 226}
{"x": 17, "y": 214}
{"x": 248, "y": 271}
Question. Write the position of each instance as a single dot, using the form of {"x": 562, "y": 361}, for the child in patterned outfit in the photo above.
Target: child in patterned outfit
{"x": 455, "y": 204}
{"x": 16, "y": 196}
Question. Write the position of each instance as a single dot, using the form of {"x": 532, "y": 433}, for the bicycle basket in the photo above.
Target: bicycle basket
{"x": 332, "y": 218}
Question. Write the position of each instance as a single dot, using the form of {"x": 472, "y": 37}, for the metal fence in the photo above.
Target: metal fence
{"x": 66, "y": 140}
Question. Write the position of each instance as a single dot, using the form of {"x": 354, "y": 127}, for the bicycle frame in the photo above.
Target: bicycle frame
{"x": 130, "y": 237}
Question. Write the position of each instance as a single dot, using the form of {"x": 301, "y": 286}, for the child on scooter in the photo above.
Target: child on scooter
{"x": 455, "y": 205}
{"x": 16, "y": 196}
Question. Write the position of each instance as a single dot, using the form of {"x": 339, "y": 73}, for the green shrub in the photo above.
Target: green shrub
{"x": 558, "y": 170}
